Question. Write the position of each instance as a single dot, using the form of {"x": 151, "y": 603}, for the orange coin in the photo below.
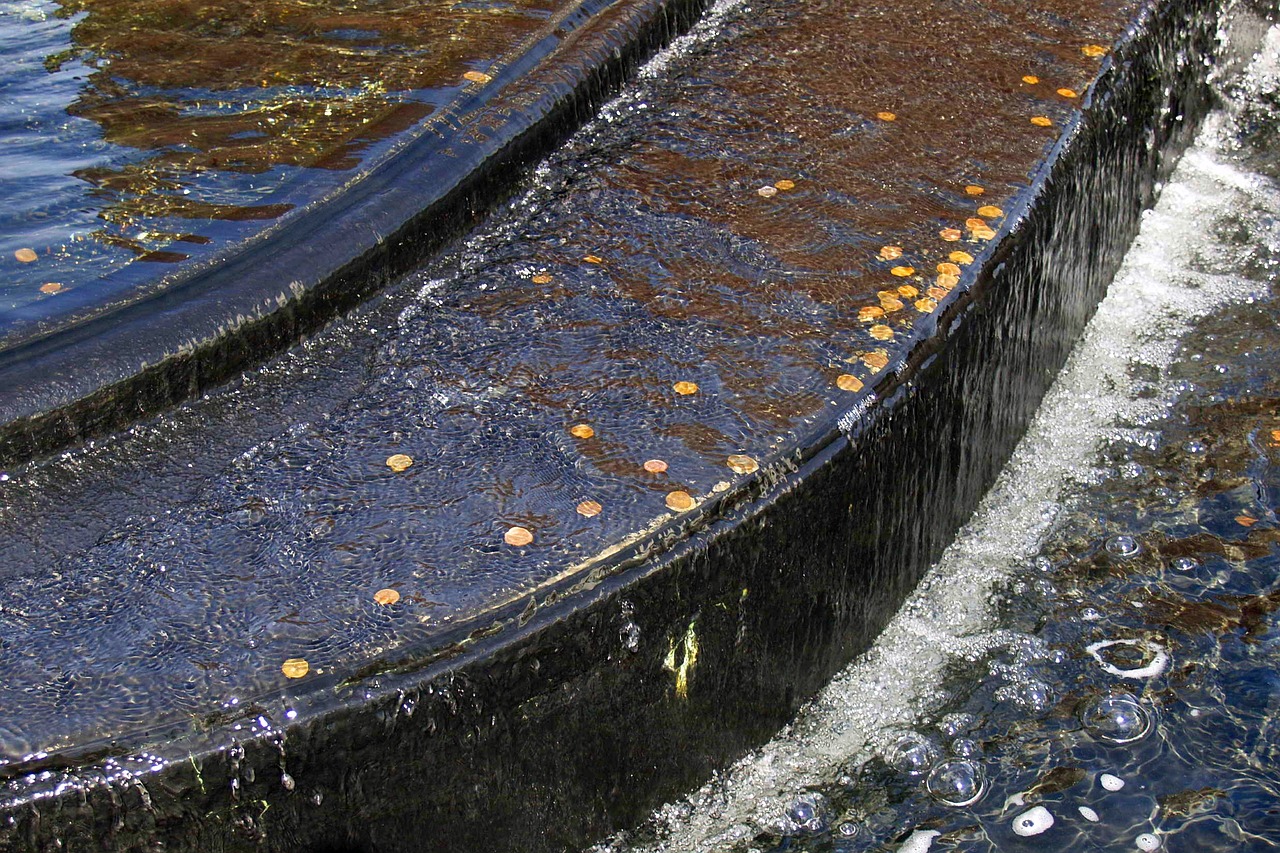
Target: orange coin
{"x": 990, "y": 211}
{"x": 974, "y": 222}
{"x": 903, "y": 272}
{"x": 1093, "y": 50}
{"x": 870, "y": 312}
{"x": 386, "y": 597}
{"x": 399, "y": 462}
{"x": 848, "y": 382}
{"x": 974, "y": 189}
{"x": 25, "y": 256}
{"x": 946, "y": 281}
{"x": 517, "y": 536}
{"x": 685, "y": 388}
{"x": 655, "y": 466}
{"x": 477, "y": 77}
{"x": 582, "y": 431}
{"x": 961, "y": 257}
{"x": 785, "y": 184}
{"x": 594, "y": 259}
{"x": 51, "y": 287}
{"x": 890, "y": 253}
{"x": 679, "y": 501}
{"x": 950, "y": 234}
{"x": 948, "y": 268}
{"x": 984, "y": 233}
{"x": 541, "y": 278}
{"x": 742, "y": 464}
{"x": 881, "y": 332}
{"x": 1067, "y": 93}
{"x": 885, "y": 115}
{"x": 589, "y": 509}
{"x": 924, "y": 306}
{"x": 937, "y": 292}
{"x": 907, "y": 291}
{"x": 875, "y": 360}
{"x": 1030, "y": 79}
{"x": 1041, "y": 121}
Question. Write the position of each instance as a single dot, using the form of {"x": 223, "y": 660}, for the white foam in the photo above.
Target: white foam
{"x": 1174, "y": 274}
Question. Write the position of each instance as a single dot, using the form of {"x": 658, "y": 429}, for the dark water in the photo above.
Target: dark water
{"x": 724, "y": 230}
{"x": 136, "y": 135}
{"x": 1095, "y": 664}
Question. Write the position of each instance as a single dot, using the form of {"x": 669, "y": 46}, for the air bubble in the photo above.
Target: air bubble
{"x": 1032, "y": 822}
{"x": 1124, "y": 546}
{"x": 1031, "y": 695}
{"x": 286, "y": 782}
{"x": 848, "y": 829}
{"x": 807, "y": 813}
{"x": 957, "y": 782}
{"x": 1184, "y": 564}
{"x": 913, "y": 755}
{"x": 965, "y": 747}
{"x": 1117, "y": 719}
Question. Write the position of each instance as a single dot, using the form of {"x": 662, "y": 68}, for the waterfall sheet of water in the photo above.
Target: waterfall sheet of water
{"x": 1040, "y": 687}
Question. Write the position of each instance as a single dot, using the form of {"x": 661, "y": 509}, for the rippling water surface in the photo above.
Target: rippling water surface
{"x": 1095, "y": 663}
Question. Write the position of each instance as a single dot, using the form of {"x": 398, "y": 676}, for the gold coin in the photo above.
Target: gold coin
{"x": 582, "y": 431}
{"x": 1041, "y": 121}
{"x": 399, "y": 462}
{"x": 974, "y": 189}
{"x": 685, "y": 388}
{"x": 386, "y": 597}
{"x": 741, "y": 464}
{"x": 885, "y": 115}
{"x": 679, "y": 501}
{"x": 925, "y": 305}
{"x": 881, "y": 332}
{"x": 25, "y": 256}
{"x": 950, "y": 234}
{"x": 541, "y": 278}
{"x": 477, "y": 77}
{"x": 848, "y": 382}
{"x": 961, "y": 257}
{"x": 655, "y": 466}
{"x": 1030, "y": 79}
{"x": 890, "y": 253}
{"x": 594, "y": 259}
{"x": 785, "y": 184}
{"x": 1093, "y": 50}
{"x": 1067, "y": 93}
{"x": 295, "y": 668}
{"x": 51, "y": 287}
{"x": 870, "y": 312}
{"x": 990, "y": 211}
{"x": 903, "y": 272}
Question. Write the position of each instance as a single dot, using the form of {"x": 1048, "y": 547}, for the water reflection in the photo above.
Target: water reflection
{"x": 195, "y": 123}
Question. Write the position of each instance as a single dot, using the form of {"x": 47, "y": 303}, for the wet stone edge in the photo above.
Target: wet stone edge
{"x": 577, "y": 714}
{"x": 110, "y": 370}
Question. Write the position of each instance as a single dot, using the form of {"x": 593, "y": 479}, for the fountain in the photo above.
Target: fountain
{"x": 585, "y": 504}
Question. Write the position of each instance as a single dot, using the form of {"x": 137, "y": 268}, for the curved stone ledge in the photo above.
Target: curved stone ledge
{"x": 561, "y": 714}
{"x": 107, "y": 368}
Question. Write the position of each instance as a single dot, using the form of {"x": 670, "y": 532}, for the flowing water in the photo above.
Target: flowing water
{"x": 1095, "y": 662}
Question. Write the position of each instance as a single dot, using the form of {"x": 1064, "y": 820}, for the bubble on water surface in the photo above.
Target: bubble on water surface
{"x": 1147, "y": 841}
{"x": 807, "y": 813}
{"x": 1033, "y": 821}
{"x": 1117, "y": 719}
{"x": 1185, "y": 564}
{"x": 912, "y": 754}
{"x": 957, "y": 782}
{"x": 1088, "y": 814}
{"x": 1123, "y": 546}
{"x": 1111, "y": 782}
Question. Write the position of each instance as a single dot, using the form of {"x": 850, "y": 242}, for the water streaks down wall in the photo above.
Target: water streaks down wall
{"x": 625, "y": 478}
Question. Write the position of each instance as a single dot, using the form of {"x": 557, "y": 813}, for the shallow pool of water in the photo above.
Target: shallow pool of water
{"x": 1094, "y": 663}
